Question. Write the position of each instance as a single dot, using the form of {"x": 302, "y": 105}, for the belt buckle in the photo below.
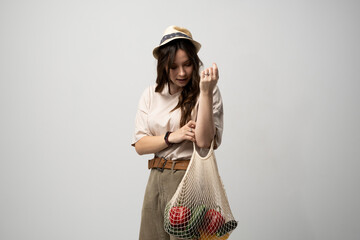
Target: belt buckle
{"x": 161, "y": 169}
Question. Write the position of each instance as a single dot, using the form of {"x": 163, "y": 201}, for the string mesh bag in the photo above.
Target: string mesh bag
{"x": 199, "y": 208}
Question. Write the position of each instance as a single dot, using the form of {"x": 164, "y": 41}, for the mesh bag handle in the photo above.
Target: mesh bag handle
{"x": 200, "y": 208}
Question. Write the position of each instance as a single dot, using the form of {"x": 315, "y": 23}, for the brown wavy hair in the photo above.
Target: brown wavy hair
{"x": 190, "y": 92}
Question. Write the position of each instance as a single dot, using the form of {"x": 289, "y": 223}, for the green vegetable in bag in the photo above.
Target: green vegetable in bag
{"x": 191, "y": 230}
{"x": 197, "y": 217}
{"x": 226, "y": 227}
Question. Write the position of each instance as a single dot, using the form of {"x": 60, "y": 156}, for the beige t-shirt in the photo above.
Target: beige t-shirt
{"x": 154, "y": 118}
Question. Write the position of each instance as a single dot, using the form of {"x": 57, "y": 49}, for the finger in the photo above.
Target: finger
{"x": 211, "y": 72}
{"x": 215, "y": 69}
{"x": 191, "y": 123}
{"x": 207, "y": 72}
{"x": 190, "y": 138}
{"x": 190, "y": 134}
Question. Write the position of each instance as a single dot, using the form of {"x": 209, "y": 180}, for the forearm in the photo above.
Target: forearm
{"x": 205, "y": 128}
{"x": 150, "y": 144}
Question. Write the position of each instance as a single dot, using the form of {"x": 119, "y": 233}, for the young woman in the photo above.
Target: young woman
{"x": 182, "y": 108}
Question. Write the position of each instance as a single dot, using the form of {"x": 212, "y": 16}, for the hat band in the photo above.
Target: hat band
{"x": 172, "y": 35}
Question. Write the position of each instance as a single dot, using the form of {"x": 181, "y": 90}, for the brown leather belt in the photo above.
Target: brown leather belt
{"x": 162, "y": 163}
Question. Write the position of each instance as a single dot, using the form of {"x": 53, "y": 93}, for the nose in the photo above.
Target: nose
{"x": 181, "y": 71}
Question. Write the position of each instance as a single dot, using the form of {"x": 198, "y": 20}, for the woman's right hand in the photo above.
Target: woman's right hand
{"x": 187, "y": 132}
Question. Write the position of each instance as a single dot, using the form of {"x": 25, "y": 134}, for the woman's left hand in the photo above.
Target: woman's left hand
{"x": 208, "y": 79}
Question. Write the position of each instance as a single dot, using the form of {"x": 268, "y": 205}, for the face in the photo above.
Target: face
{"x": 180, "y": 71}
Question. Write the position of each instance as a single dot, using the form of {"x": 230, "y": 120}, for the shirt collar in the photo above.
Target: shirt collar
{"x": 166, "y": 91}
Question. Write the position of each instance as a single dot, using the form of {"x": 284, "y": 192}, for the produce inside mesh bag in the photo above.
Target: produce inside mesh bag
{"x": 199, "y": 208}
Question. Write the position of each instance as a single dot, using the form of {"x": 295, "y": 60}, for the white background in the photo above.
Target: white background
{"x": 71, "y": 74}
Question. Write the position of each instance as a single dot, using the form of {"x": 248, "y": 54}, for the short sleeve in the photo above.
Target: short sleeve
{"x": 141, "y": 119}
{"x": 218, "y": 114}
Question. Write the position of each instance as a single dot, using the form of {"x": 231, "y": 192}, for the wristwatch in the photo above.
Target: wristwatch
{"x": 166, "y": 138}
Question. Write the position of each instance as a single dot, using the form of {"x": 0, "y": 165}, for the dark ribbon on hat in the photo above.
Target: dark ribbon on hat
{"x": 172, "y": 35}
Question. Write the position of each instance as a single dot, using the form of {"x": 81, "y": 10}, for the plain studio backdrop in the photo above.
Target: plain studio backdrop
{"x": 72, "y": 73}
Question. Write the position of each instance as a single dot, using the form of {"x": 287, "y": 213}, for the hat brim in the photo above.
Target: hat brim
{"x": 156, "y": 49}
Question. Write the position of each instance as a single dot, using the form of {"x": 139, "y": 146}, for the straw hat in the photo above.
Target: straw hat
{"x": 175, "y": 32}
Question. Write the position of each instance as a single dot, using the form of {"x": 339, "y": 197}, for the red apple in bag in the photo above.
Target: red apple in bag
{"x": 213, "y": 220}
{"x": 179, "y": 216}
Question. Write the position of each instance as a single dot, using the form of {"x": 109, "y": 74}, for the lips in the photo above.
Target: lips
{"x": 182, "y": 80}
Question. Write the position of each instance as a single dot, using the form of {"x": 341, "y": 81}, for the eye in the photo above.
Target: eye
{"x": 173, "y": 67}
{"x": 188, "y": 64}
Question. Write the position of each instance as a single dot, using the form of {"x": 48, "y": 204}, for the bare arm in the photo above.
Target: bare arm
{"x": 150, "y": 144}
{"x": 205, "y": 127}
{"x": 153, "y": 144}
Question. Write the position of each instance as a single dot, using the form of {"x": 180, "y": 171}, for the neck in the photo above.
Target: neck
{"x": 173, "y": 88}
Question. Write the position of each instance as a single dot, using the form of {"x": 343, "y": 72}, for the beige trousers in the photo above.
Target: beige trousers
{"x": 160, "y": 188}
